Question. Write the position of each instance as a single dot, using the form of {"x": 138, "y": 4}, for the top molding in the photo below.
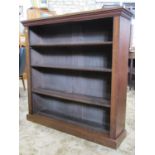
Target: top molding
{"x": 82, "y": 16}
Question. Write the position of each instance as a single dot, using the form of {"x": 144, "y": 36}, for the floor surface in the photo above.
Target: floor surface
{"x": 36, "y": 139}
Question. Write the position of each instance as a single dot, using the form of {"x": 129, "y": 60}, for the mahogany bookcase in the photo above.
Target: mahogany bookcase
{"x": 77, "y": 73}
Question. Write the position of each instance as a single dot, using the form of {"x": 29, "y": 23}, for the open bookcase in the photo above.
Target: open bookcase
{"x": 77, "y": 73}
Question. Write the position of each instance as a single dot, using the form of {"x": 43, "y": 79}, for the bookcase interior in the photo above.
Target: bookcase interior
{"x": 76, "y": 82}
{"x": 87, "y": 116}
{"x": 71, "y": 72}
{"x": 81, "y": 56}
{"x": 91, "y": 31}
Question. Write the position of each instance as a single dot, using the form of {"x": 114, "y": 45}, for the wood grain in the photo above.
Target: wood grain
{"x": 121, "y": 37}
{"x": 73, "y": 34}
{"x": 77, "y": 82}
{"x": 87, "y": 15}
{"x": 84, "y": 58}
{"x": 77, "y": 73}
{"x": 99, "y": 43}
{"x": 70, "y": 110}
{"x": 95, "y": 136}
{"x": 74, "y": 97}
{"x": 28, "y": 62}
{"x": 94, "y": 69}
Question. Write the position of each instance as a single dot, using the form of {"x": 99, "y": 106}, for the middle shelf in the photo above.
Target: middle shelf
{"x": 95, "y": 69}
{"x": 99, "y": 43}
{"x": 83, "y": 58}
{"x": 97, "y": 101}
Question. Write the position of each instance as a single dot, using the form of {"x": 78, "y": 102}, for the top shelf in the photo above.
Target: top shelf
{"x": 73, "y": 44}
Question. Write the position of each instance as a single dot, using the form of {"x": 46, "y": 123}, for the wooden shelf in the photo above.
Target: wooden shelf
{"x": 96, "y": 101}
{"x": 73, "y": 44}
{"x": 94, "y": 69}
{"x": 84, "y": 123}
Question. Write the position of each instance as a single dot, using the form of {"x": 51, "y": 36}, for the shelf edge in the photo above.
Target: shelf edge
{"x": 97, "y": 69}
{"x": 70, "y": 98}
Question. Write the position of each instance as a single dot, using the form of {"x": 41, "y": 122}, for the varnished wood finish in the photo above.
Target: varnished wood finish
{"x": 28, "y": 62}
{"x": 121, "y": 37}
{"x": 93, "y": 69}
{"x": 73, "y": 44}
{"x": 77, "y": 73}
{"x": 97, "y": 137}
{"x": 80, "y": 58}
{"x": 88, "y": 15}
{"x": 74, "y": 97}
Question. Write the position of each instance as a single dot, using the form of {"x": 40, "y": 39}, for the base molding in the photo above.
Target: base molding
{"x": 76, "y": 130}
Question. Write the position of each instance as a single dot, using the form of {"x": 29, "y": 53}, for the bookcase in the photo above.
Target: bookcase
{"x": 77, "y": 73}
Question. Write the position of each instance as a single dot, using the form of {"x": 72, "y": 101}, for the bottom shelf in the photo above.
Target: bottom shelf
{"x": 84, "y": 123}
{"x": 97, "y": 137}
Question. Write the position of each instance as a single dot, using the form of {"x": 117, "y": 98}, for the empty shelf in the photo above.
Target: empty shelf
{"x": 95, "y": 69}
{"x": 96, "y": 101}
{"x": 73, "y": 44}
{"x": 79, "y": 122}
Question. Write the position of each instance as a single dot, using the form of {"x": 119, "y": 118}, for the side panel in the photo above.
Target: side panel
{"x": 121, "y": 36}
{"x": 28, "y": 71}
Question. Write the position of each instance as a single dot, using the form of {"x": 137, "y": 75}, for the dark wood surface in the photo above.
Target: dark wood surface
{"x": 101, "y": 43}
{"x": 77, "y": 73}
{"x": 73, "y": 34}
{"x": 80, "y": 57}
{"x": 94, "y": 69}
{"x": 92, "y": 135}
{"x": 28, "y": 62}
{"x": 74, "y": 97}
{"x": 84, "y": 123}
{"x": 71, "y": 110}
{"x": 96, "y": 84}
{"x": 121, "y": 36}
{"x": 88, "y": 15}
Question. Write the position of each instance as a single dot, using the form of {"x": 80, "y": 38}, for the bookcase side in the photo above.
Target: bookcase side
{"x": 28, "y": 62}
{"x": 121, "y": 36}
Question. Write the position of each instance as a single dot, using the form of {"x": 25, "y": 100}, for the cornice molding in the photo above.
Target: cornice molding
{"x": 88, "y": 15}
